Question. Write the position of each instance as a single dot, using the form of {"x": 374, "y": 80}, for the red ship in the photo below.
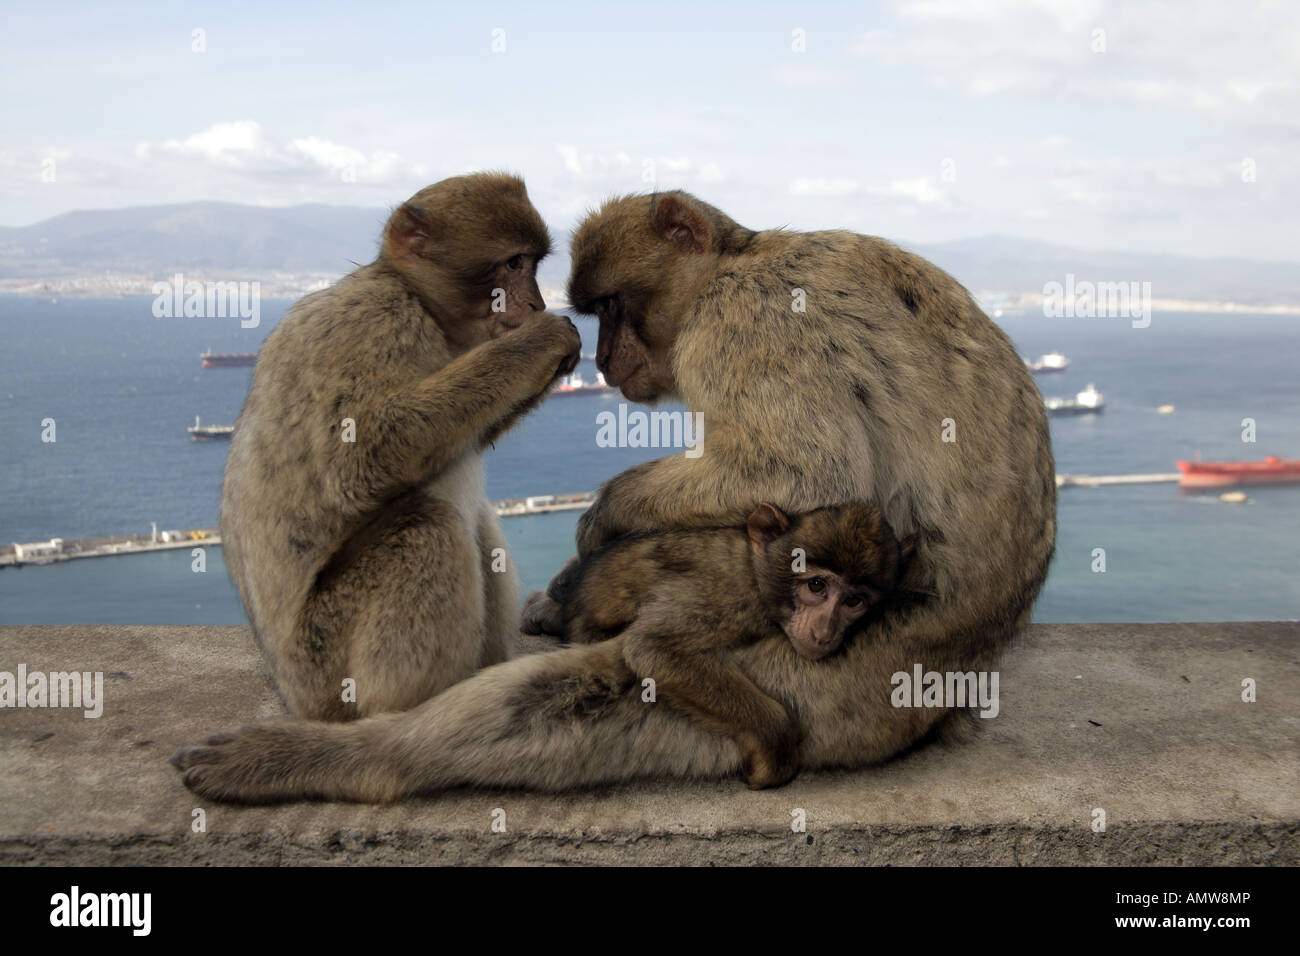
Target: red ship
{"x": 1217, "y": 474}
{"x": 228, "y": 359}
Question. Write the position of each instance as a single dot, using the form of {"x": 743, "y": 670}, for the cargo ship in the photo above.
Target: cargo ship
{"x": 1086, "y": 402}
{"x": 1218, "y": 474}
{"x": 200, "y": 432}
{"x": 574, "y": 385}
{"x": 227, "y": 359}
{"x": 1051, "y": 362}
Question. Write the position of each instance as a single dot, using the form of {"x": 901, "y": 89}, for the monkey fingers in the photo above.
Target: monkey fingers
{"x": 542, "y": 615}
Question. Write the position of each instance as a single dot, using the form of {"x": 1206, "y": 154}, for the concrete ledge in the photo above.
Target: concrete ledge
{"x": 1144, "y": 721}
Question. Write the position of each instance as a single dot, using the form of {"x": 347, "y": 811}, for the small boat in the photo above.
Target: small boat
{"x": 1218, "y": 474}
{"x": 209, "y": 359}
{"x": 1051, "y": 362}
{"x": 574, "y": 385}
{"x": 200, "y": 432}
{"x": 1087, "y": 402}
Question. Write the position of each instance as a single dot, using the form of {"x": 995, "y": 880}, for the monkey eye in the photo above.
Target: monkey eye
{"x": 816, "y": 585}
{"x": 515, "y": 263}
{"x": 853, "y": 600}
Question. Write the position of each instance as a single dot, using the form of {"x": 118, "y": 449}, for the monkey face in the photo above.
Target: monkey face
{"x": 519, "y": 296}
{"x": 629, "y": 362}
{"x": 631, "y": 259}
{"x": 469, "y": 248}
{"x": 825, "y": 606}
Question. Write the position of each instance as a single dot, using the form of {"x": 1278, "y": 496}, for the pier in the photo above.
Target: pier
{"x": 1096, "y": 481}
{"x": 57, "y": 549}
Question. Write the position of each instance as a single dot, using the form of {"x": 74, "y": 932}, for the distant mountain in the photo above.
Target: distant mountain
{"x": 1022, "y": 265}
{"x": 198, "y": 237}
{"x": 218, "y": 239}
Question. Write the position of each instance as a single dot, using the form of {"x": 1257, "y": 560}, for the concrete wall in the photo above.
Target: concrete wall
{"x": 1145, "y": 722}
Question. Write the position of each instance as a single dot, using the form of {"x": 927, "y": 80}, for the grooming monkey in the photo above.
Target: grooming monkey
{"x": 684, "y": 599}
{"x": 830, "y": 367}
{"x": 353, "y": 516}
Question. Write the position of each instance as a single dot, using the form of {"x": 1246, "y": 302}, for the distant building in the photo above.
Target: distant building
{"x": 38, "y": 549}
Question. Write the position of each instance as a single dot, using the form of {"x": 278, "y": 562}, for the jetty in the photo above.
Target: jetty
{"x": 57, "y": 549}
{"x": 1097, "y": 481}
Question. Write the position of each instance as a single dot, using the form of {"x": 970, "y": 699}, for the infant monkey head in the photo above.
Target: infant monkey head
{"x": 822, "y": 571}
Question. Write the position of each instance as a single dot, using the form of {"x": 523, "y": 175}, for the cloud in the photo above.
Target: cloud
{"x": 621, "y": 171}
{"x": 922, "y": 189}
{"x": 803, "y": 76}
{"x": 1181, "y": 56}
{"x": 243, "y": 148}
{"x": 821, "y": 186}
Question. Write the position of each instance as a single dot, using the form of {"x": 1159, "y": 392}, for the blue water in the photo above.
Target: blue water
{"x": 122, "y": 386}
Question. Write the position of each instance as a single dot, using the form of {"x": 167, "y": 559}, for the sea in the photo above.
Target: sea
{"x": 121, "y": 385}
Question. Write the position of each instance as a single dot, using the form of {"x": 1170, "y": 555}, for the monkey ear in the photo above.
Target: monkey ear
{"x": 409, "y": 229}
{"x": 676, "y": 220}
{"x": 765, "y": 523}
{"x": 906, "y": 548}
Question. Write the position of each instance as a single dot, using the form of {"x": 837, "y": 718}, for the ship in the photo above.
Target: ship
{"x": 1051, "y": 362}
{"x": 1218, "y": 474}
{"x": 1087, "y": 402}
{"x": 212, "y": 359}
{"x": 200, "y": 432}
{"x": 575, "y": 385}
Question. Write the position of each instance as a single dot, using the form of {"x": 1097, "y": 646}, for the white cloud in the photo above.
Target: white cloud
{"x": 804, "y": 76}
{"x": 822, "y": 186}
{"x": 620, "y": 171}
{"x": 1179, "y": 56}
{"x": 922, "y": 189}
{"x": 244, "y": 147}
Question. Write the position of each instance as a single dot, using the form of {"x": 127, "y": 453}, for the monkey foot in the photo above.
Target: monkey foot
{"x": 763, "y": 769}
{"x": 260, "y": 763}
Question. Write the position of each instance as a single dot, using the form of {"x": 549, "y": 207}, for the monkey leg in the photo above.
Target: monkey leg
{"x": 417, "y": 621}
{"x": 573, "y": 717}
{"x": 682, "y": 648}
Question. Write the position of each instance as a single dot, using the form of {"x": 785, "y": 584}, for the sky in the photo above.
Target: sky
{"x": 1152, "y": 127}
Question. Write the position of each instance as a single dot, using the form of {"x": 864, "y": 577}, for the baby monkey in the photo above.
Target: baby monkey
{"x": 679, "y": 600}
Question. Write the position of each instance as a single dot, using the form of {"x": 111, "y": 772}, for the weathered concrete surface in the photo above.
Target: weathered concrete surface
{"x": 1143, "y": 721}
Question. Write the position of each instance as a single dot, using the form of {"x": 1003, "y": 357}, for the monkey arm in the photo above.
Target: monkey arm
{"x": 407, "y": 436}
{"x": 679, "y": 492}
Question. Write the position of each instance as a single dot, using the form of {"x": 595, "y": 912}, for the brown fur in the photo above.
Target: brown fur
{"x": 684, "y": 600}
{"x": 371, "y": 559}
{"x": 843, "y": 402}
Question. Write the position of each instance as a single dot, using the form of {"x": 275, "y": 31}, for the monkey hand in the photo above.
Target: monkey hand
{"x": 556, "y": 341}
{"x": 570, "y": 346}
{"x": 561, "y": 588}
{"x": 542, "y": 615}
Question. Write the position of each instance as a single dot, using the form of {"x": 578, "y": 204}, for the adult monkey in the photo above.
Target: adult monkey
{"x": 353, "y": 517}
{"x": 890, "y": 385}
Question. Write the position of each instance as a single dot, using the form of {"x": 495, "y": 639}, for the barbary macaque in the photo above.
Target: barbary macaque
{"x": 829, "y": 367}
{"x": 682, "y": 600}
{"x": 353, "y": 517}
